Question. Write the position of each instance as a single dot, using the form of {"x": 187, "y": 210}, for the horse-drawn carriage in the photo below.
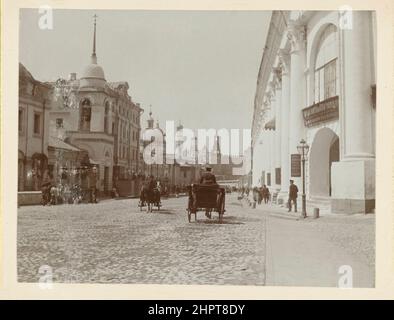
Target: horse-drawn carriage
{"x": 150, "y": 197}
{"x": 208, "y": 198}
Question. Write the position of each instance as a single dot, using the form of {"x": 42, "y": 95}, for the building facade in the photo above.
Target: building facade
{"x": 99, "y": 117}
{"x": 167, "y": 171}
{"x": 33, "y": 131}
{"x": 317, "y": 82}
{"x": 69, "y": 126}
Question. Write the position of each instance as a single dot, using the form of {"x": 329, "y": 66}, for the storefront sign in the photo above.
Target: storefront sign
{"x": 323, "y": 111}
{"x": 278, "y": 176}
{"x": 296, "y": 165}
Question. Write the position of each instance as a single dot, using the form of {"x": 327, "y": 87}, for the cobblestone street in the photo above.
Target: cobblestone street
{"x": 113, "y": 242}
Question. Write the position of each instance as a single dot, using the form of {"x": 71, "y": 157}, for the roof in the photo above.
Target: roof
{"x": 60, "y": 144}
{"x": 93, "y": 71}
{"x": 23, "y": 71}
{"x": 115, "y": 85}
{"x": 93, "y": 161}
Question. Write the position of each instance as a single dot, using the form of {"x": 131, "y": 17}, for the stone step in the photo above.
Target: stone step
{"x": 324, "y": 205}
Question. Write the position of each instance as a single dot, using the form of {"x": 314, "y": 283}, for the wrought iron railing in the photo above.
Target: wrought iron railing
{"x": 323, "y": 111}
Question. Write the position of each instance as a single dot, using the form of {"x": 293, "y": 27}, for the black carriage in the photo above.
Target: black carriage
{"x": 206, "y": 198}
{"x": 150, "y": 199}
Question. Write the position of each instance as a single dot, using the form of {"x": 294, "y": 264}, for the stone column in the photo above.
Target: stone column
{"x": 284, "y": 57}
{"x": 272, "y": 162}
{"x": 278, "y": 123}
{"x": 265, "y": 139}
{"x": 297, "y": 35}
{"x": 358, "y": 74}
{"x": 257, "y": 159}
{"x": 271, "y": 133}
{"x": 353, "y": 178}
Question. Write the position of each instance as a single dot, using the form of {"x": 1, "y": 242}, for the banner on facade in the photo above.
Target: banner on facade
{"x": 278, "y": 176}
{"x": 296, "y": 165}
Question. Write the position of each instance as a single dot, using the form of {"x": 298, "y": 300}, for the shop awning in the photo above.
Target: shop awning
{"x": 60, "y": 144}
{"x": 93, "y": 161}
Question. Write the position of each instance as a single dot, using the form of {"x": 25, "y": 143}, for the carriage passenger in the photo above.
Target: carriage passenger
{"x": 208, "y": 177}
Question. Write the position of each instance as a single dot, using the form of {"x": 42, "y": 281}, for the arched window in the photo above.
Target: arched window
{"x": 106, "y": 118}
{"x": 326, "y": 65}
{"x": 86, "y": 113}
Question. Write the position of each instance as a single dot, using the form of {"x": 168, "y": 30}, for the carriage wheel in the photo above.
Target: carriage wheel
{"x": 221, "y": 210}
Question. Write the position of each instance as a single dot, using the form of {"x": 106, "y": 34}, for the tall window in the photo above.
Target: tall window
{"x": 326, "y": 65}
{"x": 86, "y": 113}
{"x": 106, "y": 117}
{"x": 20, "y": 120}
{"x": 37, "y": 123}
{"x": 59, "y": 123}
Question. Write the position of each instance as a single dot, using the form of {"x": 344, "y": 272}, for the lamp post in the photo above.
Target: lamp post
{"x": 303, "y": 150}
{"x": 153, "y": 153}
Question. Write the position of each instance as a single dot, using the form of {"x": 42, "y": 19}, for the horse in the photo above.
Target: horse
{"x": 149, "y": 196}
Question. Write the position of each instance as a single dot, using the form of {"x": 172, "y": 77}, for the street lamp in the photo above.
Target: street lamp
{"x": 303, "y": 150}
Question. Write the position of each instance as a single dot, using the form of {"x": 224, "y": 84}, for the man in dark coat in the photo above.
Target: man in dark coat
{"x": 293, "y": 193}
{"x": 93, "y": 184}
{"x": 151, "y": 183}
{"x": 208, "y": 177}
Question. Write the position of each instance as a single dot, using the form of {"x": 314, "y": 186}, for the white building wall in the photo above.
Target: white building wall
{"x": 355, "y": 51}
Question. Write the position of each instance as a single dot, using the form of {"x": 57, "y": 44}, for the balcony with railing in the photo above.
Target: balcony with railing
{"x": 323, "y": 111}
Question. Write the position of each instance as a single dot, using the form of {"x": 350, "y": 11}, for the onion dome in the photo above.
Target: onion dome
{"x": 93, "y": 74}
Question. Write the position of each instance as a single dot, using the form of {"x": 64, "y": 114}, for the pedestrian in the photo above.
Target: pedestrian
{"x": 93, "y": 185}
{"x": 293, "y": 193}
{"x": 46, "y": 192}
{"x": 265, "y": 193}
{"x": 260, "y": 194}
{"x": 176, "y": 191}
{"x": 254, "y": 194}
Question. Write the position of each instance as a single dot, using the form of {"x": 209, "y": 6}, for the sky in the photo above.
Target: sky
{"x": 195, "y": 67}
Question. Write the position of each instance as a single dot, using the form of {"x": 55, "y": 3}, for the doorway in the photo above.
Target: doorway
{"x": 324, "y": 151}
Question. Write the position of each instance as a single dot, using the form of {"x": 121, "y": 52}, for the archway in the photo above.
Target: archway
{"x": 324, "y": 151}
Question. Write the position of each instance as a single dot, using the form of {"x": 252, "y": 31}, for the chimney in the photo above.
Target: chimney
{"x": 72, "y": 76}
